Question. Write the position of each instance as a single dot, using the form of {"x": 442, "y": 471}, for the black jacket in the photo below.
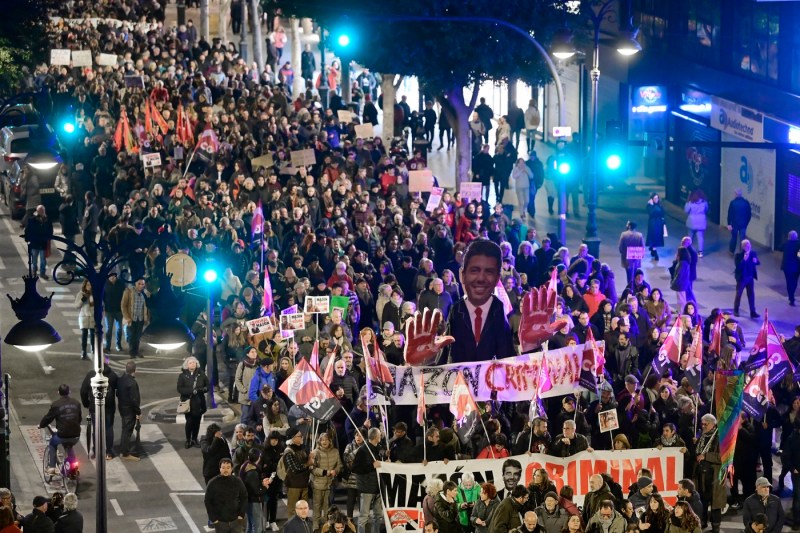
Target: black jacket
{"x": 67, "y": 414}
{"x": 128, "y": 395}
{"x": 213, "y": 453}
{"x": 37, "y": 522}
{"x": 495, "y": 338}
{"x": 739, "y": 213}
{"x": 193, "y": 387}
{"x": 70, "y": 522}
{"x": 38, "y": 232}
{"x": 87, "y": 396}
{"x": 364, "y": 469}
{"x": 226, "y": 499}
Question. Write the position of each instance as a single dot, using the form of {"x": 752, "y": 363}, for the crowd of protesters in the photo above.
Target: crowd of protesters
{"x": 349, "y": 226}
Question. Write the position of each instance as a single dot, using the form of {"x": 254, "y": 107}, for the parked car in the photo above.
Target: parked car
{"x": 19, "y": 115}
{"x": 15, "y": 144}
{"x": 15, "y": 199}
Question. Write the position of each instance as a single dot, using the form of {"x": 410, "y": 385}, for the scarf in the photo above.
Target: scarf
{"x": 669, "y": 442}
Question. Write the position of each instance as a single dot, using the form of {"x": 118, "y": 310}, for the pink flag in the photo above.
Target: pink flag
{"x": 257, "y": 224}
{"x": 314, "y": 358}
{"x": 268, "y": 295}
{"x": 552, "y": 285}
{"x": 501, "y": 294}
{"x": 671, "y": 349}
{"x": 421, "y": 405}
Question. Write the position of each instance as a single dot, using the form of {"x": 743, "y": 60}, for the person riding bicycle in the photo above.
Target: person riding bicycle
{"x": 66, "y": 412}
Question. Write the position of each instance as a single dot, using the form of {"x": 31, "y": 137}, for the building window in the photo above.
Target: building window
{"x": 756, "y": 40}
{"x": 651, "y": 17}
{"x": 703, "y": 32}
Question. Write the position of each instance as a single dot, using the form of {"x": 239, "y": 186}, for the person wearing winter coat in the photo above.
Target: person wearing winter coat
{"x": 655, "y": 225}
{"x": 192, "y": 386}
{"x": 84, "y": 301}
{"x": 214, "y": 448}
{"x": 483, "y": 508}
{"x": 681, "y": 281}
{"x": 466, "y": 497}
{"x": 763, "y": 502}
{"x": 244, "y": 376}
{"x": 606, "y": 520}
{"x": 552, "y": 517}
{"x": 263, "y": 376}
{"x": 349, "y": 482}
{"x": 70, "y": 520}
{"x": 507, "y": 514}
{"x": 226, "y": 499}
{"x": 445, "y": 509}
{"x": 256, "y": 485}
{"x": 598, "y": 493}
{"x": 326, "y": 465}
{"x": 38, "y": 234}
{"x": 522, "y": 176}
{"x": 696, "y": 209}
{"x": 683, "y": 519}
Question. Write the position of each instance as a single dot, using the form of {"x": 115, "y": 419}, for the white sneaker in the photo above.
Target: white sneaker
{"x": 274, "y": 526}
{"x": 52, "y": 471}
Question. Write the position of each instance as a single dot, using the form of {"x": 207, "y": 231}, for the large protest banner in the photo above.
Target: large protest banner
{"x": 402, "y": 491}
{"x": 514, "y": 379}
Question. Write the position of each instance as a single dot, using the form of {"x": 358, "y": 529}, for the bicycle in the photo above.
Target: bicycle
{"x": 67, "y": 472}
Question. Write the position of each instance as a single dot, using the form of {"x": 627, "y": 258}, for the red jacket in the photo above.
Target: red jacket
{"x": 487, "y": 452}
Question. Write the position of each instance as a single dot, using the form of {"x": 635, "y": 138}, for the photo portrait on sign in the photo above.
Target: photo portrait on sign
{"x": 608, "y": 420}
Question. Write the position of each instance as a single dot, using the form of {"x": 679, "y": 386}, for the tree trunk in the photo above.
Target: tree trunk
{"x": 389, "y": 93}
{"x": 204, "y": 31}
{"x": 258, "y": 41}
{"x": 298, "y": 85}
{"x": 347, "y": 89}
{"x": 462, "y": 110}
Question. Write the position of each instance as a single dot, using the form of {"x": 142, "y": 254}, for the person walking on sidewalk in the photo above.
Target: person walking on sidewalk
{"x": 522, "y": 177}
{"x": 532, "y": 120}
{"x": 129, "y": 401}
{"x": 655, "y": 225}
{"x": 630, "y": 238}
{"x": 38, "y": 234}
{"x": 739, "y": 214}
{"x": 696, "y": 209}
{"x": 746, "y": 262}
{"x": 790, "y": 264}
{"x": 193, "y": 386}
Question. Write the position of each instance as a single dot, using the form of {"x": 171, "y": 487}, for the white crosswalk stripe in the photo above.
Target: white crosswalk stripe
{"x": 168, "y": 462}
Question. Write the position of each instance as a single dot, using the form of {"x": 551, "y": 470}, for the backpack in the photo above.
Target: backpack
{"x": 281, "y": 470}
{"x": 537, "y": 169}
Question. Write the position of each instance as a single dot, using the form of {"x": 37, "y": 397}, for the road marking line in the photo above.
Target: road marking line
{"x": 115, "y": 505}
{"x": 47, "y": 369}
{"x": 71, "y": 313}
{"x": 182, "y": 509}
{"x": 118, "y": 479}
{"x": 36, "y": 444}
{"x": 169, "y": 464}
{"x": 61, "y": 296}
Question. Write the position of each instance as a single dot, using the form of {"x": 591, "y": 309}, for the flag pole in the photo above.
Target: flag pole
{"x": 189, "y": 162}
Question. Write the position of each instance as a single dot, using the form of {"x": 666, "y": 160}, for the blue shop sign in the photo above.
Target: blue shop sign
{"x": 649, "y": 99}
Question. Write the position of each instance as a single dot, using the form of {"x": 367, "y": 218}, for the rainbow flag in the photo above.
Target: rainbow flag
{"x": 728, "y": 395}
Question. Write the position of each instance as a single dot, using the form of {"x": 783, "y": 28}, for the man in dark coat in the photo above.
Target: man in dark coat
{"x": 87, "y": 399}
{"x": 38, "y": 521}
{"x": 790, "y": 264}
{"x": 364, "y": 467}
{"x": 746, "y": 274}
{"x": 739, "y": 214}
{"x": 478, "y": 322}
{"x": 483, "y": 169}
{"x": 486, "y": 114}
{"x": 38, "y": 233}
{"x": 129, "y": 409}
{"x": 226, "y": 499}
{"x": 763, "y": 502}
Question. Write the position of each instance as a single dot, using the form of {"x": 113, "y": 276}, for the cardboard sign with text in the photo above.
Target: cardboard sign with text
{"x": 471, "y": 190}
{"x": 107, "y": 60}
{"x": 151, "y": 160}
{"x": 262, "y": 161}
{"x": 304, "y": 158}
{"x": 59, "y": 56}
{"x": 345, "y": 117}
{"x": 634, "y": 253}
{"x": 81, "y": 58}
{"x": 434, "y": 199}
{"x": 420, "y": 181}
{"x": 365, "y": 131}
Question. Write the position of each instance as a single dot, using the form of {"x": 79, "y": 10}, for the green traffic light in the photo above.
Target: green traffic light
{"x": 69, "y": 127}
{"x": 210, "y": 275}
{"x": 344, "y": 40}
{"x": 564, "y": 167}
{"x": 613, "y": 162}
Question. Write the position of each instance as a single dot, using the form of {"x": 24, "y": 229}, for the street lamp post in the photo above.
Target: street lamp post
{"x": 323, "y": 74}
{"x": 597, "y": 12}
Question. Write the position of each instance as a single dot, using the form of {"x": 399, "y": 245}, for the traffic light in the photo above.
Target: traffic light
{"x": 613, "y": 161}
{"x": 563, "y": 163}
{"x": 343, "y": 40}
{"x": 343, "y": 36}
{"x": 68, "y": 127}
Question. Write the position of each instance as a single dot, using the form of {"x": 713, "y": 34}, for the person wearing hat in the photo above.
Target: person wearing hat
{"x": 732, "y": 335}
{"x": 568, "y": 408}
{"x": 763, "y": 502}
{"x": 263, "y": 376}
{"x": 37, "y": 521}
{"x": 605, "y": 402}
{"x": 298, "y": 466}
{"x": 644, "y": 488}
{"x": 551, "y": 516}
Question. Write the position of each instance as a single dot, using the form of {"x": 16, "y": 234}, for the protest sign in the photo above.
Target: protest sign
{"x": 434, "y": 199}
{"x": 402, "y": 491}
{"x": 317, "y": 304}
{"x": 107, "y": 60}
{"x": 471, "y": 190}
{"x": 608, "y": 420}
{"x": 341, "y": 303}
{"x": 420, "y": 181}
{"x": 265, "y": 161}
{"x": 260, "y": 325}
{"x": 151, "y": 160}
{"x": 634, "y": 253}
{"x": 81, "y": 58}
{"x": 365, "y": 131}
{"x": 292, "y": 322}
{"x": 59, "y": 56}
{"x": 345, "y": 117}
{"x": 304, "y": 158}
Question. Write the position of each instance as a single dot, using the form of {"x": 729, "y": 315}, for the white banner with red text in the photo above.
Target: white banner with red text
{"x": 514, "y": 379}
{"x": 402, "y": 491}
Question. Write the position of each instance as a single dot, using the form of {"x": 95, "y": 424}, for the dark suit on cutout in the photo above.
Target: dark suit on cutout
{"x": 495, "y": 335}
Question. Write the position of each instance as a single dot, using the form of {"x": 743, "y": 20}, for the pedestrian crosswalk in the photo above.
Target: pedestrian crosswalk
{"x": 162, "y": 461}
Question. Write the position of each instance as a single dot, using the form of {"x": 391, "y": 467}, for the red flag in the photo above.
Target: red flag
{"x": 694, "y": 359}
{"x": 208, "y": 141}
{"x": 599, "y": 353}
{"x": 769, "y": 351}
{"x": 756, "y": 391}
{"x": 589, "y": 361}
{"x": 158, "y": 118}
{"x": 257, "y": 224}
{"x": 376, "y": 366}
{"x": 306, "y": 389}
{"x": 671, "y": 349}
{"x": 267, "y": 294}
{"x": 314, "y": 358}
{"x": 502, "y": 295}
{"x": 148, "y": 118}
{"x": 328, "y": 377}
{"x": 716, "y": 336}
{"x": 118, "y": 133}
{"x": 183, "y": 127}
{"x": 421, "y": 404}
{"x": 462, "y": 403}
